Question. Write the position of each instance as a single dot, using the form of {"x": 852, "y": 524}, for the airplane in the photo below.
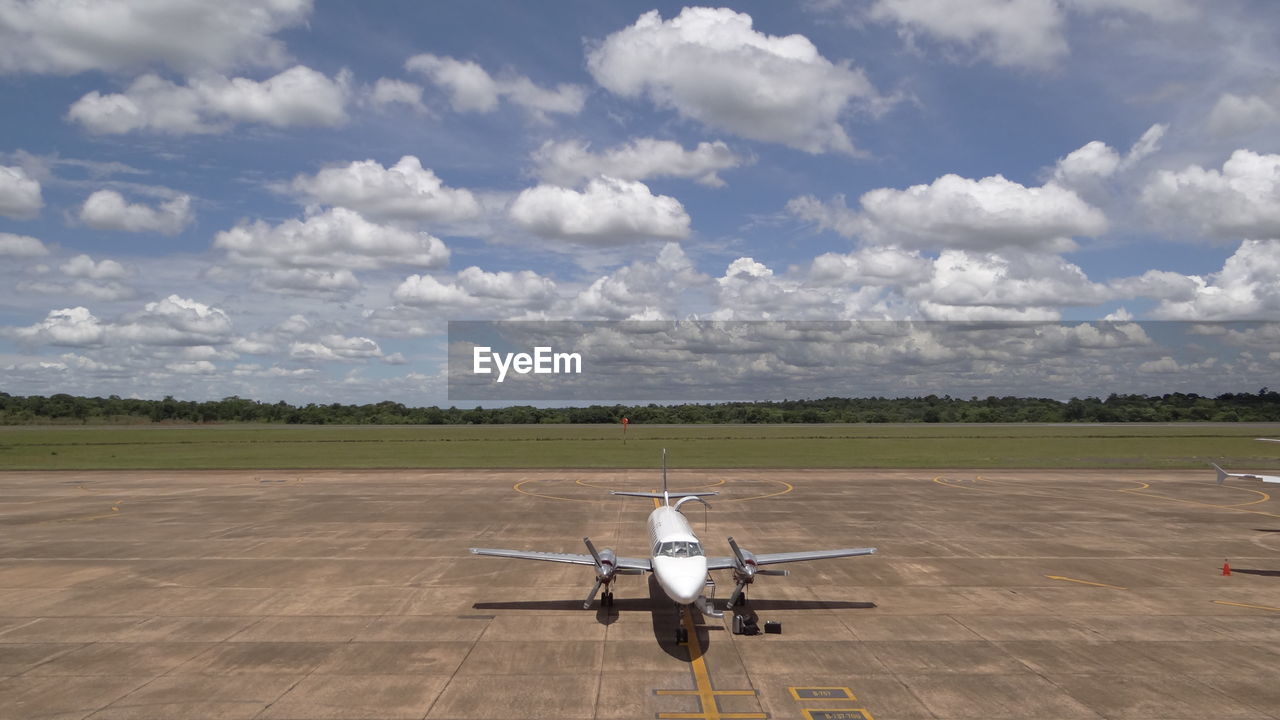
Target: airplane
{"x": 1223, "y": 475}
{"x": 676, "y": 558}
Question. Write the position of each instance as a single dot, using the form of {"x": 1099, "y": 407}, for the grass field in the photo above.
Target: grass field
{"x": 540, "y": 446}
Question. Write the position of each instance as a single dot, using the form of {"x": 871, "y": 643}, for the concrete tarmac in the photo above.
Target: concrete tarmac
{"x": 1005, "y": 594}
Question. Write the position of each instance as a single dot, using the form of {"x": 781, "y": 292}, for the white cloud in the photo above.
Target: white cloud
{"x": 1014, "y": 33}
{"x": 834, "y": 215}
{"x": 608, "y": 212}
{"x": 19, "y": 194}
{"x": 1236, "y": 115}
{"x": 306, "y": 281}
{"x": 478, "y": 290}
{"x": 642, "y": 289}
{"x": 404, "y": 191}
{"x": 1021, "y": 281}
{"x": 75, "y": 327}
{"x": 570, "y": 162}
{"x": 1158, "y": 10}
{"x": 336, "y": 238}
{"x": 956, "y": 212}
{"x": 1097, "y": 160}
{"x": 334, "y": 347}
{"x": 194, "y": 367}
{"x": 83, "y": 266}
{"x": 1245, "y": 288}
{"x": 21, "y": 246}
{"x": 67, "y": 36}
{"x": 107, "y": 210}
{"x": 871, "y": 266}
{"x": 472, "y": 89}
{"x": 298, "y": 96}
{"x": 709, "y": 65}
{"x": 1243, "y": 199}
{"x": 387, "y": 92}
{"x": 175, "y": 320}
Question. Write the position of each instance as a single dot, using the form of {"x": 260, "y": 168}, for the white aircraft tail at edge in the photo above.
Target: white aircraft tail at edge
{"x": 676, "y": 557}
{"x": 1223, "y": 474}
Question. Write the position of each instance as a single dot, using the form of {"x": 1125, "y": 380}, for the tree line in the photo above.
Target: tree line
{"x": 1262, "y": 406}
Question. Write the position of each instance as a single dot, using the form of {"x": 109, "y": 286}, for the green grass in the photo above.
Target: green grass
{"x": 556, "y": 446}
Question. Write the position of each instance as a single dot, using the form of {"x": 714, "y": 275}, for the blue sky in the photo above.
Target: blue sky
{"x": 288, "y": 201}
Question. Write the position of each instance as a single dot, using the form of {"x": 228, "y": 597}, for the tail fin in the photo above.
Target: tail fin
{"x": 666, "y": 496}
{"x": 1222, "y": 474}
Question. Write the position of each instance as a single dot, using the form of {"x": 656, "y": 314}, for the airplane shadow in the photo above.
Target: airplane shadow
{"x": 1275, "y": 530}
{"x": 665, "y": 619}
{"x": 1264, "y": 573}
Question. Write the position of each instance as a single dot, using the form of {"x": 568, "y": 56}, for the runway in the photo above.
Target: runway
{"x": 351, "y": 594}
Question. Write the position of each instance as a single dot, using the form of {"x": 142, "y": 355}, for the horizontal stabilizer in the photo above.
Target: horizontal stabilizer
{"x": 660, "y": 495}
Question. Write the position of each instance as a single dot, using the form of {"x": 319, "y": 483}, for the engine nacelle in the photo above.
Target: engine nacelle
{"x": 747, "y": 572}
{"x": 608, "y": 564}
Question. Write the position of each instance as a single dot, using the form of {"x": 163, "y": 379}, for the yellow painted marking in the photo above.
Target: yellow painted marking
{"x": 847, "y": 693}
{"x": 702, "y": 679}
{"x": 1247, "y": 605}
{"x": 1201, "y": 504}
{"x": 786, "y": 488}
{"x": 1264, "y": 496}
{"x": 696, "y": 692}
{"x": 1086, "y": 582}
{"x": 838, "y": 714}
{"x": 516, "y": 487}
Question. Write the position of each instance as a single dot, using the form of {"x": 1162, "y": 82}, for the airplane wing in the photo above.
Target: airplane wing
{"x": 1223, "y": 475}
{"x": 726, "y": 563}
{"x": 571, "y": 558}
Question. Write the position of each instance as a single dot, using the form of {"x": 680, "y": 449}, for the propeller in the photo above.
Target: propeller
{"x": 605, "y": 567}
{"x": 745, "y": 571}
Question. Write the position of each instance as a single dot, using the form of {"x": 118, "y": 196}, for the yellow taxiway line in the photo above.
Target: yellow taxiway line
{"x": 1086, "y": 582}
{"x": 1247, "y": 605}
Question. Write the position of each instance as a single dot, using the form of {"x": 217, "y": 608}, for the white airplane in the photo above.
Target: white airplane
{"x": 1223, "y": 475}
{"x": 676, "y": 557}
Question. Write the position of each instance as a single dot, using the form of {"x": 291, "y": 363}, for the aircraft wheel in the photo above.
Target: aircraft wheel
{"x": 607, "y": 599}
{"x": 682, "y": 636}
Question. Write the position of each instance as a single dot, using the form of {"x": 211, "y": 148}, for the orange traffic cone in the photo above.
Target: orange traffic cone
{"x": 1226, "y": 568}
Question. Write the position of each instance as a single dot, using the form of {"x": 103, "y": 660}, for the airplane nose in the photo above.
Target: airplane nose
{"x": 687, "y": 584}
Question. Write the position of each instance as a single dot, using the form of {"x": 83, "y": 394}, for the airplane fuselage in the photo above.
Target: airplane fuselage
{"x": 676, "y": 556}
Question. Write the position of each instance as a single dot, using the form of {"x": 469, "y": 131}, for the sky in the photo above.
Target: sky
{"x": 289, "y": 200}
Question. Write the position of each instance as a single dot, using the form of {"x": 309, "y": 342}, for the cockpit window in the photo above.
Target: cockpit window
{"x": 680, "y": 549}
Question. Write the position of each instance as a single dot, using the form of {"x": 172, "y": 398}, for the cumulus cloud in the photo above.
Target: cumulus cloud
{"x": 711, "y": 66}
{"x": 1245, "y": 288}
{"x": 642, "y": 289}
{"x": 609, "y": 211}
{"x": 74, "y": 327}
{"x": 298, "y": 96}
{"x": 335, "y": 238}
{"x": 1012, "y": 33}
{"x": 68, "y": 36}
{"x": 83, "y": 266}
{"x": 387, "y": 92}
{"x": 570, "y": 162}
{"x": 19, "y": 194}
{"x": 404, "y": 191}
{"x": 306, "y": 281}
{"x": 1243, "y": 199}
{"x": 956, "y": 212}
{"x": 21, "y": 246}
{"x": 1097, "y": 160}
{"x": 334, "y": 347}
{"x": 107, "y": 210}
{"x": 1240, "y": 115}
{"x": 472, "y": 89}
{"x": 175, "y": 320}
{"x": 1026, "y": 283}
{"x": 870, "y": 266}
{"x": 477, "y": 289}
